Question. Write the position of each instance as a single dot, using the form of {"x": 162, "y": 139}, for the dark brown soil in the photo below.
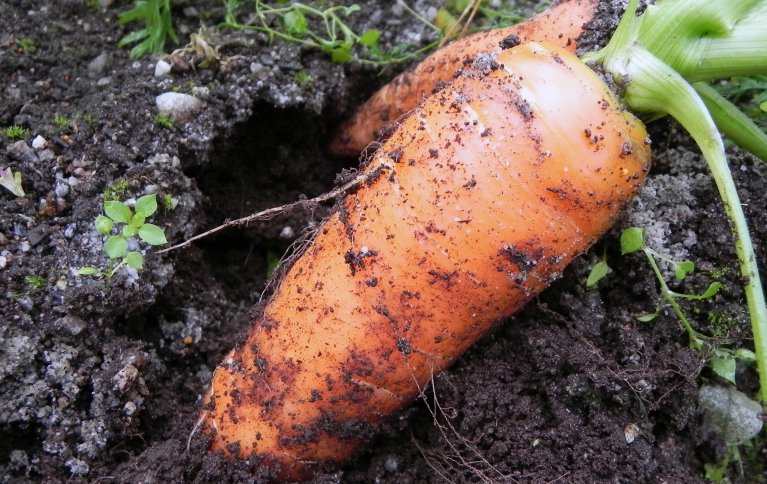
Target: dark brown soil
{"x": 100, "y": 379}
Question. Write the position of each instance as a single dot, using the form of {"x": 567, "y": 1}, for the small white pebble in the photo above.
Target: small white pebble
{"x": 62, "y": 189}
{"x": 177, "y": 105}
{"x": 38, "y": 143}
{"x": 287, "y": 232}
{"x": 162, "y": 68}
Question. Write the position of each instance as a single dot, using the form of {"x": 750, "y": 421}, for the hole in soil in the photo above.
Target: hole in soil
{"x": 18, "y": 436}
{"x": 270, "y": 160}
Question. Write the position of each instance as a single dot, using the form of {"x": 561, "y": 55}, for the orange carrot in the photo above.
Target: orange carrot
{"x": 474, "y": 205}
{"x": 561, "y": 24}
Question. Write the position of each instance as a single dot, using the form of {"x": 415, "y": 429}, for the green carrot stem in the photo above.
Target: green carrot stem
{"x": 741, "y": 52}
{"x": 732, "y": 122}
{"x": 706, "y": 39}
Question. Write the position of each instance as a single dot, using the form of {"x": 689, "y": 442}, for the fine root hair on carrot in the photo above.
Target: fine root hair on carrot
{"x": 197, "y": 426}
{"x": 272, "y": 212}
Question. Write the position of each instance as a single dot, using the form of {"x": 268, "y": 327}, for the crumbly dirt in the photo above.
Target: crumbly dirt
{"x": 100, "y": 378}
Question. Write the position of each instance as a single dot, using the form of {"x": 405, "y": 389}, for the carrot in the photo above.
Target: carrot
{"x": 561, "y": 24}
{"x": 474, "y": 205}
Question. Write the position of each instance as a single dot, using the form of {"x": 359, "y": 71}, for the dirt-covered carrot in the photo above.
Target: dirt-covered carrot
{"x": 475, "y": 204}
{"x": 561, "y": 24}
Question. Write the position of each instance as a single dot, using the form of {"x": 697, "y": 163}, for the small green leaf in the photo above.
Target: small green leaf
{"x": 129, "y": 231}
{"x": 715, "y": 472}
{"x": 146, "y": 205}
{"x": 87, "y": 271}
{"x": 747, "y": 356}
{"x": 135, "y": 260}
{"x": 725, "y": 368}
{"x": 369, "y": 37}
{"x": 598, "y": 272}
{"x": 681, "y": 269}
{"x": 646, "y": 318}
{"x": 295, "y": 23}
{"x": 137, "y": 221}
{"x": 118, "y": 211}
{"x": 712, "y": 290}
{"x": 632, "y": 240}
{"x": 763, "y": 106}
{"x": 104, "y": 224}
{"x": 152, "y": 234}
{"x": 341, "y": 54}
{"x": 116, "y": 246}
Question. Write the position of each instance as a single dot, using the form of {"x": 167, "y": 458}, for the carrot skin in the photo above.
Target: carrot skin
{"x": 486, "y": 192}
{"x": 561, "y": 25}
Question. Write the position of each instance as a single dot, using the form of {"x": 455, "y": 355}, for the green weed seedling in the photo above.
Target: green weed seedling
{"x": 722, "y": 360}
{"x": 633, "y": 240}
{"x": 167, "y": 202}
{"x": 15, "y": 132}
{"x": 304, "y": 80}
{"x": 116, "y": 190}
{"x": 155, "y": 14}
{"x": 294, "y": 23}
{"x": 27, "y": 45}
{"x": 129, "y": 224}
{"x": 36, "y": 281}
{"x": 61, "y": 121}
{"x": 164, "y": 120}
{"x": 598, "y": 272}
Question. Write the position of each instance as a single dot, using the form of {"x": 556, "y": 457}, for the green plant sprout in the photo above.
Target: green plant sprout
{"x": 163, "y": 120}
{"x": 722, "y": 360}
{"x": 660, "y": 75}
{"x": 293, "y": 23}
{"x": 88, "y": 117}
{"x": 116, "y": 190}
{"x": 61, "y": 121}
{"x": 129, "y": 223}
{"x": 633, "y": 240}
{"x": 598, "y": 272}
{"x": 27, "y": 44}
{"x": 304, "y": 80}
{"x": 11, "y": 181}
{"x": 15, "y": 132}
{"x": 36, "y": 281}
{"x": 167, "y": 202}
{"x": 158, "y": 28}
